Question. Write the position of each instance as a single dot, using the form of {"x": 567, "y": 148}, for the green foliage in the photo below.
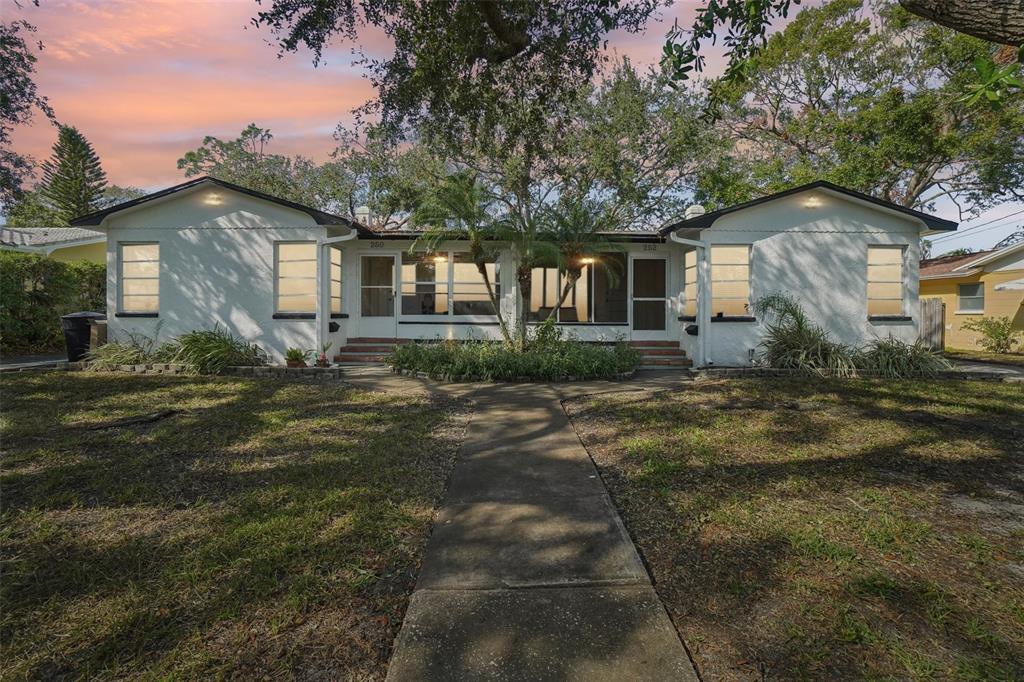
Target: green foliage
{"x": 34, "y": 293}
{"x": 32, "y": 209}
{"x": 997, "y": 333}
{"x": 210, "y": 351}
{"x": 73, "y": 179}
{"x": 792, "y": 341}
{"x": 19, "y": 97}
{"x": 244, "y": 161}
{"x": 205, "y": 351}
{"x": 868, "y": 104}
{"x": 548, "y": 358}
{"x": 297, "y": 355}
{"x": 894, "y": 358}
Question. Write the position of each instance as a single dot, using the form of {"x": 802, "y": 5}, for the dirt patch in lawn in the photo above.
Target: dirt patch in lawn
{"x": 827, "y": 529}
{"x": 255, "y": 530}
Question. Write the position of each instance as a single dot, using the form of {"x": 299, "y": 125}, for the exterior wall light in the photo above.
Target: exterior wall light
{"x": 587, "y": 261}
{"x": 440, "y": 259}
{"x": 812, "y": 202}
{"x": 213, "y": 199}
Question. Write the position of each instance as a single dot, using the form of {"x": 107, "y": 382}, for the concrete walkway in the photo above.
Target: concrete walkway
{"x": 529, "y": 573}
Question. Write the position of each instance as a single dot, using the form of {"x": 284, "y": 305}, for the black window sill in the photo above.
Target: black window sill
{"x": 339, "y": 316}
{"x": 687, "y": 318}
{"x": 583, "y": 324}
{"x": 458, "y": 322}
{"x": 890, "y": 318}
{"x": 734, "y": 318}
{"x": 294, "y": 316}
{"x": 136, "y": 314}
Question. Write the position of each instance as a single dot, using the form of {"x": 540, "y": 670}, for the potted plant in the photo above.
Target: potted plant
{"x": 322, "y": 360}
{"x": 294, "y": 357}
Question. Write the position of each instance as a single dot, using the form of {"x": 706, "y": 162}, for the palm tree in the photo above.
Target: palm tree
{"x": 461, "y": 208}
{"x": 578, "y": 230}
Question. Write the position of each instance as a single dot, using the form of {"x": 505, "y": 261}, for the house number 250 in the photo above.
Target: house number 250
{"x": 377, "y": 245}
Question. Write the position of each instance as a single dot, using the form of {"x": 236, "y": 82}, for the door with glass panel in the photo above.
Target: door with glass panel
{"x": 648, "y": 286}
{"x": 377, "y": 295}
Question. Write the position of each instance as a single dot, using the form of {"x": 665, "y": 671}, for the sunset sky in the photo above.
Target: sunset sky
{"x": 145, "y": 80}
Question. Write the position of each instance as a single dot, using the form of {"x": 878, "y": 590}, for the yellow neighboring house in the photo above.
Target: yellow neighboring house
{"x": 58, "y": 243}
{"x": 984, "y": 284}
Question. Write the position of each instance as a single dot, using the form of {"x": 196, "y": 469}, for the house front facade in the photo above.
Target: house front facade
{"x": 971, "y": 286}
{"x": 283, "y": 275}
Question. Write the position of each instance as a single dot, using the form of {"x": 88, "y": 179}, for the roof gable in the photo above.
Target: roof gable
{"x": 708, "y": 219}
{"x": 319, "y": 217}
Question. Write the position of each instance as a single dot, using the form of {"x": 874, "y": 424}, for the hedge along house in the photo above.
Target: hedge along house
{"x": 282, "y": 275}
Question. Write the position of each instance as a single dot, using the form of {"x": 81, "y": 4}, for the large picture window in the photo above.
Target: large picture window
{"x": 295, "y": 275}
{"x": 971, "y": 298}
{"x": 599, "y": 295}
{"x": 885, "y": 281}
{"x": 446, "y": 283}
{"x": 730, "y": 280}
{"x": 140, "y": 278}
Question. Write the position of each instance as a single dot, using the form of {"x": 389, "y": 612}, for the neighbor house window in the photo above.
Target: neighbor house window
{"x": 140, "y": 278}
{"x": 295, "y": 273}
{"x": 690, "y": 283}
{"x": 971, "y": 298}
{"x": 335, "y": 281}
{"x": 730, "y": 280}
{"x": 885, "y": 280}
{"x": 598, "y": 296}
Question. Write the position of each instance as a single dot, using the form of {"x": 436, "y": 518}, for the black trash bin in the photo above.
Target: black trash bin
{"x": 76, "y": 333}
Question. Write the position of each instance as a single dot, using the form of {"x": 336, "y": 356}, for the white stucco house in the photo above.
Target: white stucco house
{"x": 279, "y": 274}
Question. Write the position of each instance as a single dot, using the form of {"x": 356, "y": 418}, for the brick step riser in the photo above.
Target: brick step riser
{"x": 673, "y": 352}
{"x": 357, "y": 357}
{"x": 366, "y": 348}
{"x": 363, "y": 340}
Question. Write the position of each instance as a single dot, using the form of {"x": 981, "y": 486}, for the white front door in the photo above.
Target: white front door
{"x": 648, "y": 288}
{"x": 377, "y": 300}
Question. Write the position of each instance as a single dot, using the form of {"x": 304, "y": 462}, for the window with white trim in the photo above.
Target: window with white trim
{"x": 295, "y": 277}
{"x": 335, "y": 281}
{"x": 139, "y": 277}
{"x": 690, "y": 283}
{"x": 970, "y": 298}
{"x": 885, "y": 281}
{"x": 447, "y": 283}
{"x": 730, "y": 280}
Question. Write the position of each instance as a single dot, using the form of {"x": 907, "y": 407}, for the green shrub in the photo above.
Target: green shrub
{"x": 204, "y": 351}
{"x": 997, "y": 333}
{"x": 548, "y": 358}
{"x": 211, "y": 350}
{"x": 894, "y": 358}
{"x": 792, "y": 341}
{"x": 34, "y": 293}
{"x": 297, "y": 355}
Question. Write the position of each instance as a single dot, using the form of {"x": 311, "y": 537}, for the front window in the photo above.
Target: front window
{"x": 730, "y": 280}
{"x": 335, "y": 281}
{"x": 295, "y": 275}
{"x": 885, "y": 281}
{"x": 690, "y": 283}
{"x": 469, "y": 292}
{"x": 140, "y": 278}
{"x": 599, "y": 296}
{"x": 971, "y": 298}
{"x": 424, "y": 284}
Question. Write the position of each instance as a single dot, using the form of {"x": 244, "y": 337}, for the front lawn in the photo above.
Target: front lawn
{"x": 257, "y": 530}
{"x": 827, "y": 529}
{"x": 975, "y": 355}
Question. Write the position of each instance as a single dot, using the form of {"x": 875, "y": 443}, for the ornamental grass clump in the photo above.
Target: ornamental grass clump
{"x": 550, "y": 357}
{"x": 209, "y": 351}
{"x": 894, "y": 358}
{"x": 792, "y": 341}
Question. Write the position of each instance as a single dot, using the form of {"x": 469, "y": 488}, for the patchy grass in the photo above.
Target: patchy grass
{"x": 264, "y": 529}
{"x": 1015, "y": 359}
{"x": 827, "y": 529}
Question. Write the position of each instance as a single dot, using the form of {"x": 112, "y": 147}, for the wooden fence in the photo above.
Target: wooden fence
{"x": 933, "y": 323}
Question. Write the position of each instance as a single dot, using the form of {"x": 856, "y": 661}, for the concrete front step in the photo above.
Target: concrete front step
{"x": 654, "y": 344}
{"x": 646, "y": 361}
{"x": 358, "y": 357}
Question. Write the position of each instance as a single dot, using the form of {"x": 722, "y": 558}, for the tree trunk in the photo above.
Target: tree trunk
{"x": 998, "y": 21}
{"x": 525, "y": 285}
{"x": 482, "y": 269}
{"x": 571, "y": 277}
